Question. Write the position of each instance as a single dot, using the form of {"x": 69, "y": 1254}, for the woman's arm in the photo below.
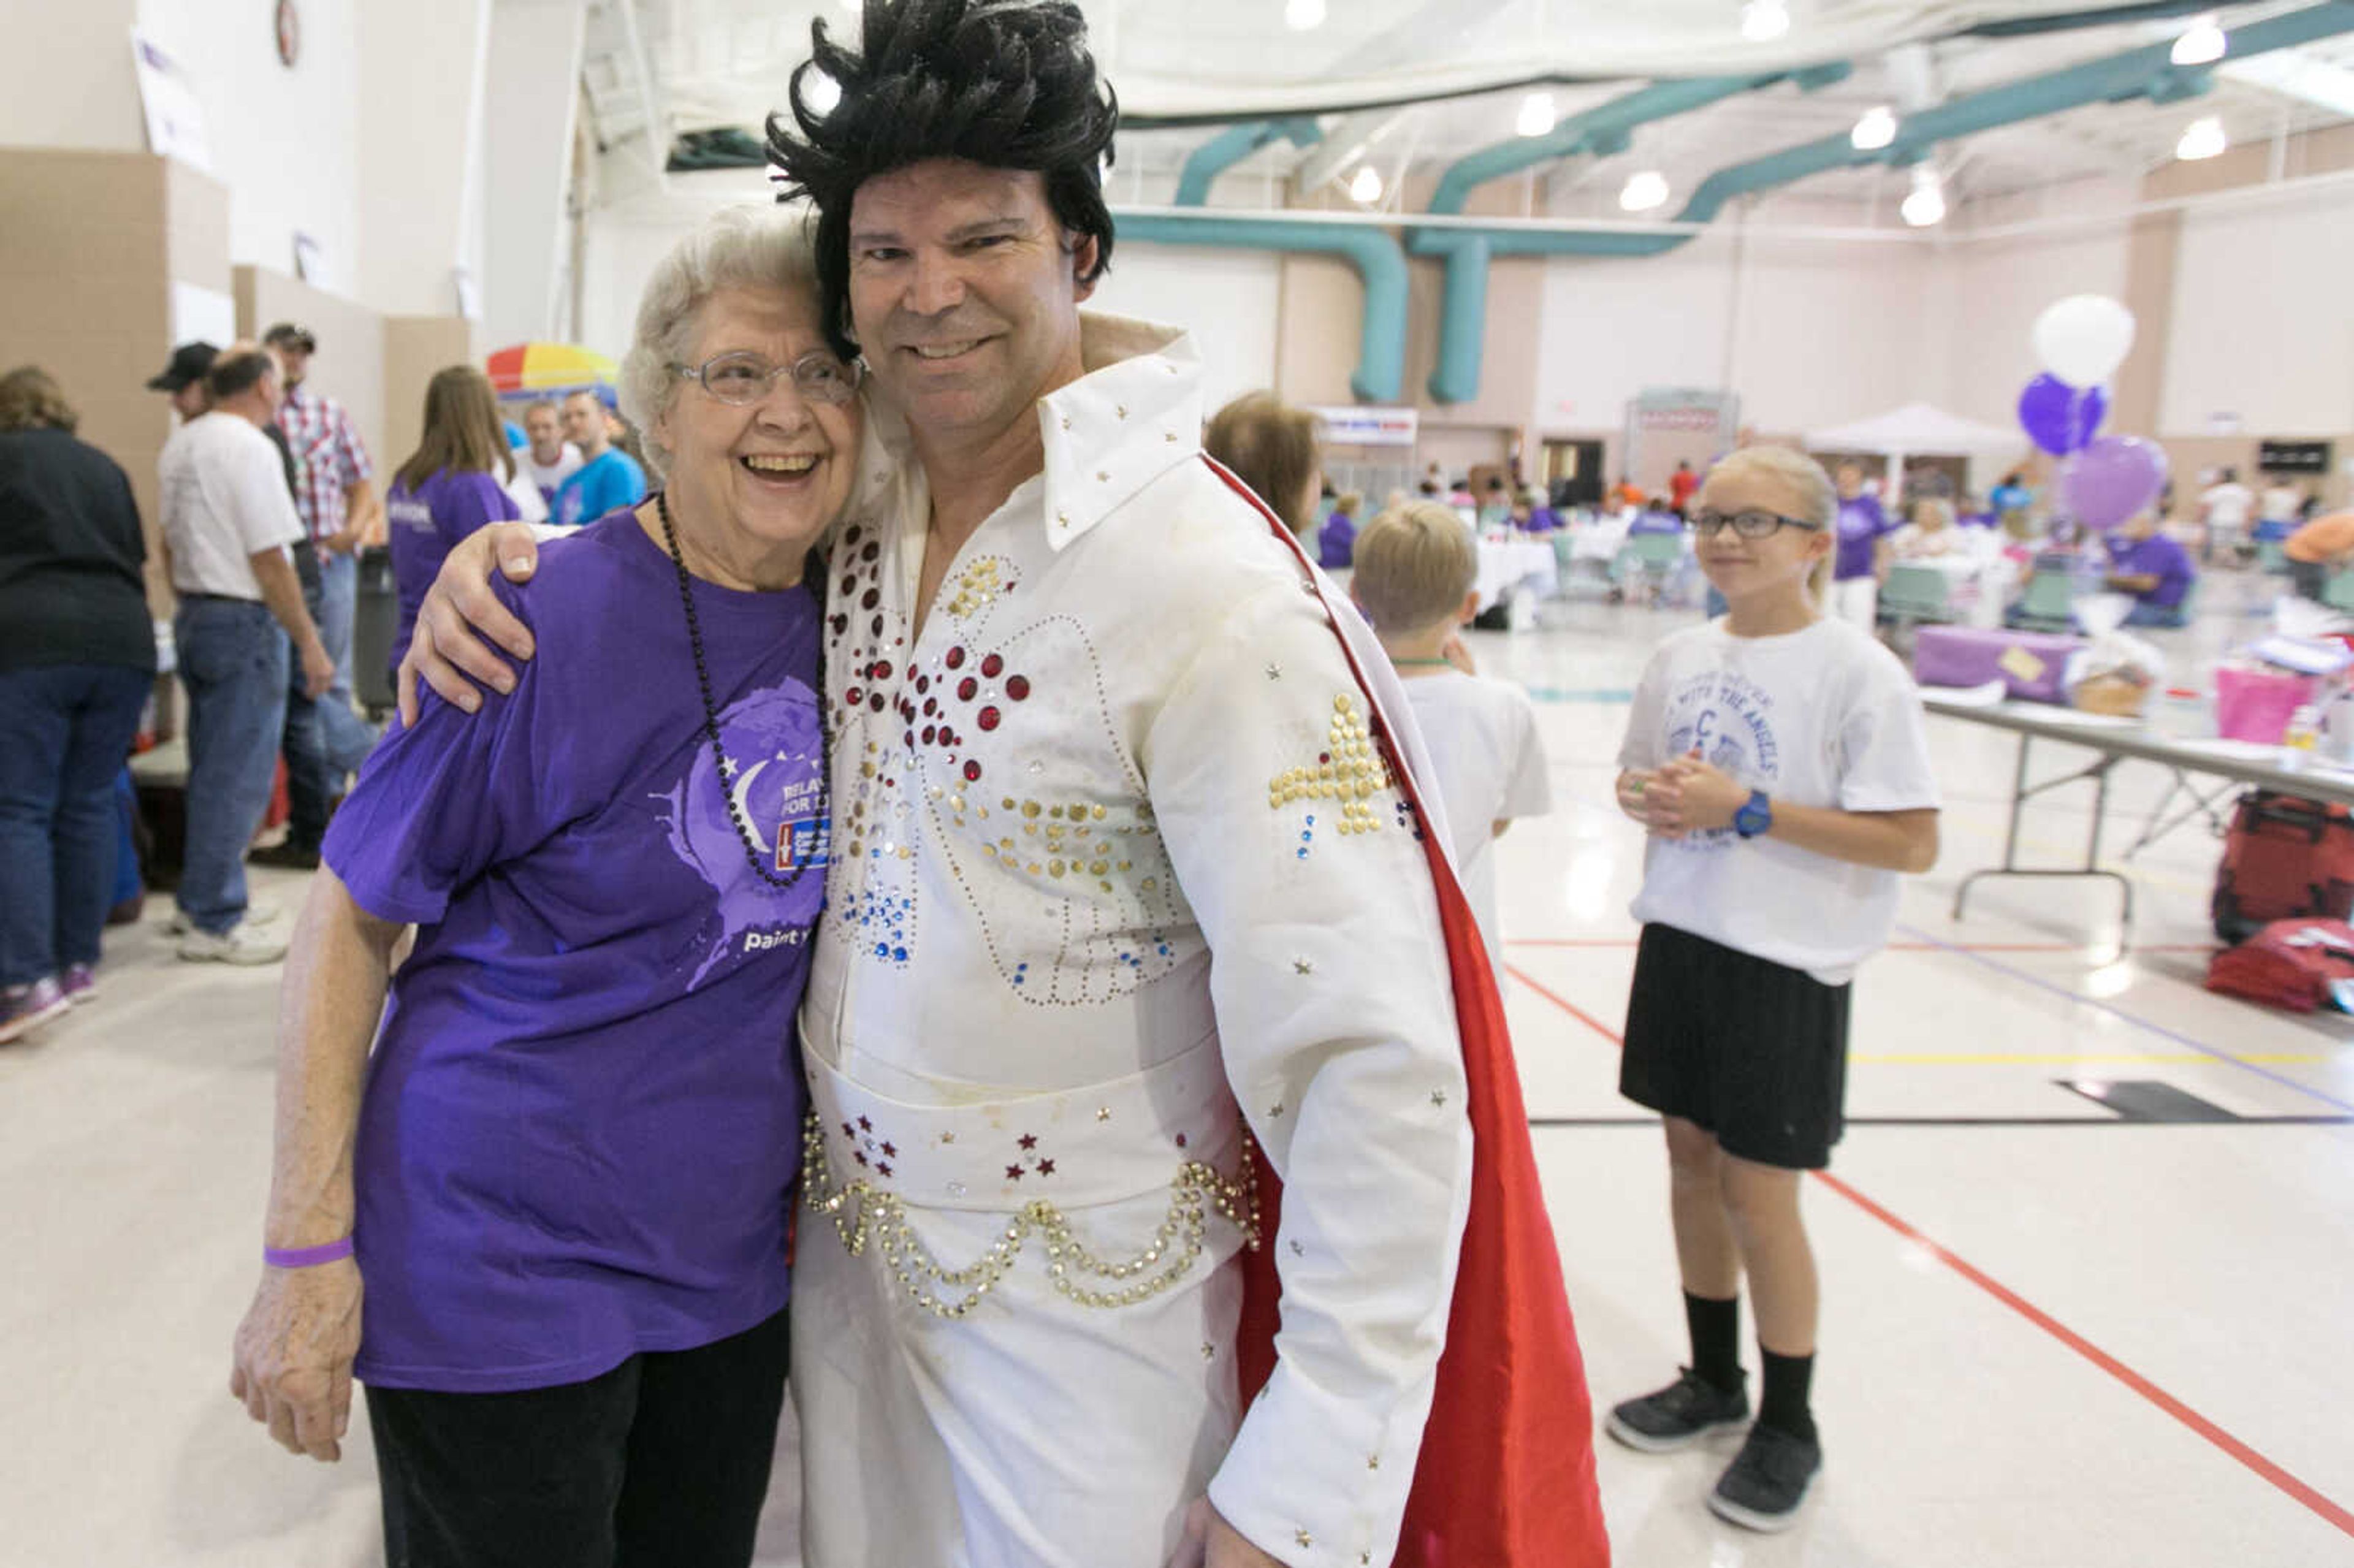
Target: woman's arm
{"x": 293, "y": 1352}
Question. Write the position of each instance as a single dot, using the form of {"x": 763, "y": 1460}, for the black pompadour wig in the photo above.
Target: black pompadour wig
{"x": 1006, "y": 84}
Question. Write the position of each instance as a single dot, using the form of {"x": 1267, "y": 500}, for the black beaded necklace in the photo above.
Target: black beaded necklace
{"x": 711, "y": 725}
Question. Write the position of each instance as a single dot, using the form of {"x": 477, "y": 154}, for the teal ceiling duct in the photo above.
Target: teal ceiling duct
{"x": 1606, "y": 128}
{"x": 1231, "y": 146}
{"x": 1381, "y": 349}
{"x": 2143, "y": 73}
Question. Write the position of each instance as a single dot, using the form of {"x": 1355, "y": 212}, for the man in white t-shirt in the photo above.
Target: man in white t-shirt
{"x": 227, "y": 522}
{"x": 549, "y": 458}
{"x": 2278, "y": 507}
{"x": 2224, "y": 509}
{"x": 1414, "y": 567}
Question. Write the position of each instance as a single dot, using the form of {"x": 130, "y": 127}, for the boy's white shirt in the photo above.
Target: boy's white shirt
{"x": 1824, "y": 718}
{"x": 1491, "y": 767}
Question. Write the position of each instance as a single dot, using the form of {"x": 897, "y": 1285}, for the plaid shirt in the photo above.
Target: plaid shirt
{"x": 329, "y": 456}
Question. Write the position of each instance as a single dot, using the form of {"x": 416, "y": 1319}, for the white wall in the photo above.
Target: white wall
{"x": 74, "y": 88}
{"x": 1613, "y": 327}
{"x": 1228, "y": 299}
{"x": 2263, "y": 318}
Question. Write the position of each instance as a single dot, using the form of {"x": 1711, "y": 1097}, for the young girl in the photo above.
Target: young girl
{"x": 1777, "y": 759}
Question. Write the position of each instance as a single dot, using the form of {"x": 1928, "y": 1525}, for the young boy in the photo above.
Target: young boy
{"x": 1776, "y": 757}
{"x": 1416, "y": 566}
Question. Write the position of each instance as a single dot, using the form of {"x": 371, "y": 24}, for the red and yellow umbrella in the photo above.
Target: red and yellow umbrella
{"x": 548, "y": 367}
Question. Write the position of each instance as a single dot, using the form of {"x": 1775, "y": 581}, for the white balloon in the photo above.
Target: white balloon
{"x": 2083, "y": 338}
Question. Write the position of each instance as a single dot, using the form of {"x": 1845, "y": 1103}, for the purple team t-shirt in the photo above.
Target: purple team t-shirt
{"x": 1860, "y": 523}
{"x": 583, "y": 1114}
{"x": 2156, "y": 557}
{"x": 421, "y": 525}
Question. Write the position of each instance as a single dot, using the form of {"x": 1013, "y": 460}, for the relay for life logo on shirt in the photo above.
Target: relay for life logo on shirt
{"x": 1729, "y": 721}
{"x": 774, "y": 747}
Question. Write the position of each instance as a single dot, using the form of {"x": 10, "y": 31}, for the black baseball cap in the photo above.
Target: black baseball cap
{"x": 288, "y": 332}
{"x": 190, "y": 362}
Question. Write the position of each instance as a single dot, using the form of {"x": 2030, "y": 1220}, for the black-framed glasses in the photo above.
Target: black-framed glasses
{"x": 1748, "y": 525}
{"x": 745, "y": 378}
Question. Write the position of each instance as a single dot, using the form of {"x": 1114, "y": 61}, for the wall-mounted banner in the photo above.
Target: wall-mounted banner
{"x": 1355, "y": 427}
{"x": 175, "y": 120}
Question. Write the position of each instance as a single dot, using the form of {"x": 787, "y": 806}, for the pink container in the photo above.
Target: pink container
{"x": 2256, "y": 705}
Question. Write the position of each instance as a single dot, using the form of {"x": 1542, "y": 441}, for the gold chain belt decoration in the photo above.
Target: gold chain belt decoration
{"x": 863, "y": 1213}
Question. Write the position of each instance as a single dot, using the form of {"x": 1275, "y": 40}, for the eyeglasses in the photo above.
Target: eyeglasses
{"x": 745, "y": 378}
{"x": 1748, "y": 525}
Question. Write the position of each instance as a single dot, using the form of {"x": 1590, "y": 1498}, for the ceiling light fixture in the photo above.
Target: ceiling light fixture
{"x": 1762, "y": 21}
{"x": 1301, "y": 16}
{"x": 2202, "y": 43}
{"x": 821, "y": 93}
{"x": 1926, "y": 206}
{"x": 1366, "y": 186}
{"x": 2202, "y": 138}
{"x": 1536, "y": 115}
{"x": 1645, "y": 189}
{"x": 1876, "y": 130}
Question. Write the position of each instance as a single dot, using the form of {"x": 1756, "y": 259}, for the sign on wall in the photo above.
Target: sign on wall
{"x": 2293, "y": 457}
{"x": 1666, "y": 425}
{"x": 1355, "y": 427}
{"x": 176, "y": 121}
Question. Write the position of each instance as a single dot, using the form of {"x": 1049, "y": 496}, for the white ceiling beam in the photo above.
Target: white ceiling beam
{"x": 2297, "y": 75}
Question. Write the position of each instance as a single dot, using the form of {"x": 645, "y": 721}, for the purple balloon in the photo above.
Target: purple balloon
{"x": 2111, "y": 479}
{"x": 2059, "y": 418}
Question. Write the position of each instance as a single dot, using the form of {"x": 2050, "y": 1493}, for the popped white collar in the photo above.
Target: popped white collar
{"x": 1135, "y": 414}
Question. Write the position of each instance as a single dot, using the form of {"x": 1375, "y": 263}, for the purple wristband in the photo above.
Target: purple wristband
{"x": 307, "y": 1256}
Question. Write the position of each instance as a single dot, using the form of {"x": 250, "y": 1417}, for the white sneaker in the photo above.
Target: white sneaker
{"x": 256, "y": 913}
{"x": 241, "y": 944}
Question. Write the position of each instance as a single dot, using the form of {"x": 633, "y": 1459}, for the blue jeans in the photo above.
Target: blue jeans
{"x": 233, "y": 662}
{"x": 2144, "y": 613}
{"x": 348, "y": 738}
{"x": 68, "y": 727}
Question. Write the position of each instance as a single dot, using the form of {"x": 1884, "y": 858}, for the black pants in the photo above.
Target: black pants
{"x": 660, "y": 1463}
{"x": 310, "y": 786}
{"x": 2310, "y": 578}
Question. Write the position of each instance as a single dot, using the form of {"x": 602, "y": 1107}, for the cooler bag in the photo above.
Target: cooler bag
{"x": 2299, "y": 964}
{"x": 2031, "y": 665}
{"x": 2284, "y": 857}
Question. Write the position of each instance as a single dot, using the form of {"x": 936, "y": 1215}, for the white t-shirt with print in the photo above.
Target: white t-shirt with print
{"x": 1483, "y": 743}
{"x": 549, "y": 476}
{"x": 1825, "y": 717}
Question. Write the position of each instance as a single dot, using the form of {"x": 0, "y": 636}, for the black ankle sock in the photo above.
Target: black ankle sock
{"x": 1783, "y": 1404}
{"x": 1715, "y": 1327}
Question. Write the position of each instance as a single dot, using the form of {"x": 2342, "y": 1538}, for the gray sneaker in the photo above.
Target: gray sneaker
{"x": 1767, "y": 1480}
{"x": 258, "y": 912}
{"x": 241, "y": 944}
{"x": 1677, "y": 1415}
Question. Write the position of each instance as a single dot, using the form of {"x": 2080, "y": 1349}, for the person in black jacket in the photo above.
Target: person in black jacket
{"x": 77, "y": 662}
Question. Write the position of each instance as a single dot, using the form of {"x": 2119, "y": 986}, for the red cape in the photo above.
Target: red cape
{"x": 1506, "y": 1478}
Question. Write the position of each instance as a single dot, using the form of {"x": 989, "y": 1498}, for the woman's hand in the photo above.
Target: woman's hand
{"x": 292, "y": 1366}
{"x": 1690, "y": 796}
{"x": 444, "y": 650}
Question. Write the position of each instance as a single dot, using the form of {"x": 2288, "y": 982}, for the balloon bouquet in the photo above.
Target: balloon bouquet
{"x": 2104, "y": 480}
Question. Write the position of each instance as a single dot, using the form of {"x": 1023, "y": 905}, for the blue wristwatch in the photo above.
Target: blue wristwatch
{"x": 1755, "y": 817}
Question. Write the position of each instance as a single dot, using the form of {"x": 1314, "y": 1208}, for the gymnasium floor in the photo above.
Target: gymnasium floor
{"x": 2056, "y": 1333}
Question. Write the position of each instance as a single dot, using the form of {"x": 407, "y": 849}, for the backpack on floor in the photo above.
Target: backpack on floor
{"x": 2284, "y": 857}
{"x": 2301, "y": 964}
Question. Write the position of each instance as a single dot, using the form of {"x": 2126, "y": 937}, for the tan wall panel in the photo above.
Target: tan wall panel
{"x": 415, "y": 348}
{"x": 2151, "y": 257}
{"x": 1321, "y": 306}
{"x": 2190, "y": 455}
{"x": 349, "y": 364}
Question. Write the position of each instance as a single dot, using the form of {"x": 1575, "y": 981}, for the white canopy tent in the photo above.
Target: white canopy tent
{"x": 1917, "y": 430}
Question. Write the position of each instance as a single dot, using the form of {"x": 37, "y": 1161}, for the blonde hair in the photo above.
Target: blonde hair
{"x": 738, "y": 246}
{"x": 1414, "y": 564}
{"x": 1271, "y": 446}
{"x": 30, "y": 399}
{"x": 1818, "y": 497}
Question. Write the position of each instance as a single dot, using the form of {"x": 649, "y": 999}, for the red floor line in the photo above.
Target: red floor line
{"x": 1893, "y": 947}
{"x": 2280, "y": 1478}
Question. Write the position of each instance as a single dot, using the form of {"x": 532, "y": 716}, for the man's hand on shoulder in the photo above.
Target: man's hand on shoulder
{"x": 445, "y": 650}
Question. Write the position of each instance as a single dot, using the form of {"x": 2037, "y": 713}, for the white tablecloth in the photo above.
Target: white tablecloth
{"x": 1515, "y": 566}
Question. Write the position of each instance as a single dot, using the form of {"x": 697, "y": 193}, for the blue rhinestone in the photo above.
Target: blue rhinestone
{"x": 1303, "y": 854}
{"x": 882, "y": 949}
{"x": 899, "y": 955}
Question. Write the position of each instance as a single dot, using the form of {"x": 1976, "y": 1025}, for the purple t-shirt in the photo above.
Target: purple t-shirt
{"x": 1336, "y": 543}
{"x": 1860, "y": 525}
{"x": 583, "y": 1114}
{"x": 423, "y": 523}
{"x": 2156, "y": 557}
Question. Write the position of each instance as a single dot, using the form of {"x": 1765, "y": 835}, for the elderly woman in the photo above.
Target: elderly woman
{"x": 1930, "y": 536}
{"x": 77, "y": 660}
{"x": 544, "y": 1223}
